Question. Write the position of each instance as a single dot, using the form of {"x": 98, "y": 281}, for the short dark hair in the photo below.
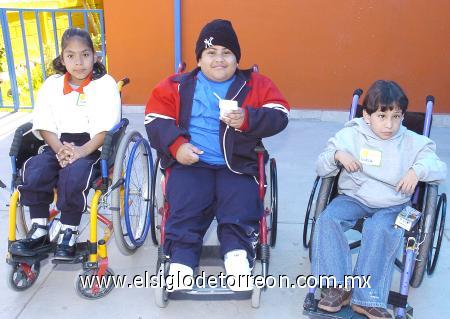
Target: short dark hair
{"x": 385, "y": 95}
{"x": 98, "y": 69}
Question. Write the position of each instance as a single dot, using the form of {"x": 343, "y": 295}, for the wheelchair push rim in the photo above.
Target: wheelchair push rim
{"x": 273, "y": 202}
{"x": 139, "y": 189}
{"x": 130, "y": 201}
{"x": 156, "y": 201}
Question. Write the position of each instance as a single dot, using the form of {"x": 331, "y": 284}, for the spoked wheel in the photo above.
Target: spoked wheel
{"x": 425, "y": 235}
{"x": 90, "y": 286}
{"x": 161, "y": 294}
{"x": 271, "y": 201}
{"x": 433, "y": 254}
{"x": 157, "y": 201}
{"x": 309, "y": 221}
{"x": 22, "y": 276}
{"x": 131, "y": 200}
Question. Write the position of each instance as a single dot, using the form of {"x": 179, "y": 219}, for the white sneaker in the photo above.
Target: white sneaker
{"x": 239, "y": 274}
{"x": 180, "y": 277}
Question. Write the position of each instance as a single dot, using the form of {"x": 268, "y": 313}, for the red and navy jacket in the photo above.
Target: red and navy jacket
{"x": 168, "y": 114}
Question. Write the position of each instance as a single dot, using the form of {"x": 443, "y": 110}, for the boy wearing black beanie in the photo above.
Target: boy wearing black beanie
{"x": 205, "y": 125}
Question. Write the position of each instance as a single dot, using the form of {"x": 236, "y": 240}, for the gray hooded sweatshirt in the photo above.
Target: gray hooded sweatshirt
{"x": 384, "y": 163}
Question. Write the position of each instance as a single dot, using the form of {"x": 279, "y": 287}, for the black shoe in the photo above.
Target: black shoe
{"x": 64, "y": 250}
{"x": 29, "y": 246}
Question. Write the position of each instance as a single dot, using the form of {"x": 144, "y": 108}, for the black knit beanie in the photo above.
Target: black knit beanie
{"x": 218, "y": 32}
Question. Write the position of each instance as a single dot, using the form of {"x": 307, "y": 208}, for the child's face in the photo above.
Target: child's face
{"x": 78, "y": 59}
{"x": 384, "y": 124}
{"x": 218, "y": 63}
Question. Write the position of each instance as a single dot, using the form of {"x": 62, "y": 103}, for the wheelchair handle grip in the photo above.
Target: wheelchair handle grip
{"x": 18, "y": 136}
{"x": 358, "y": 92}
{"x": 181, "y": 67}
{"x": 122, "y": 83}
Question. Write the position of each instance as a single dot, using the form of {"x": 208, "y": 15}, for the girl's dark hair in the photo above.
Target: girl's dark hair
{"x": 385, "y": 95}
{"x": 99, "y": 69}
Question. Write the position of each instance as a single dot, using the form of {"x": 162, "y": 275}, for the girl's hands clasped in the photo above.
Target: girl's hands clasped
{"x": 69, "y": 153}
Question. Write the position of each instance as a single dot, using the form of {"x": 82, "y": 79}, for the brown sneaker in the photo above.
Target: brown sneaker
{"x": 372, "y": 312}
{"x": 334, "y": 299}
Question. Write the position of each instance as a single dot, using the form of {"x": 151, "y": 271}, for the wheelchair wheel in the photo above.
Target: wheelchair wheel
{"x": 157, "y": 201}
{"x": 425, "y": 235}
{"x": 22, "y": 276}
{"x": 87, "y": 286}
{"x": 161, "y": 294}
{"x": 271, "y": 202}
{"x": 433, "y": 254}
{"x": 130, "y": 202}
{"x": 323, "y": 198}
{"x": 23, "y": 220}
{"x": 308, "y": 223}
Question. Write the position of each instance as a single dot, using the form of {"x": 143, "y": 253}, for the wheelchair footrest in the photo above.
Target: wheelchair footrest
{"x": 81, "y": 255}
{"x": 345, "y": 313}
{"x": 14, "y": 259}
{"x": 209, "y": 293}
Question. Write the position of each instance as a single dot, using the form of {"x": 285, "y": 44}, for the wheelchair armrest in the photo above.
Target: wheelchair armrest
{"x": 18, "y": 136}
{"x": 112, "y": 138}
{"x": 326, "y": 188}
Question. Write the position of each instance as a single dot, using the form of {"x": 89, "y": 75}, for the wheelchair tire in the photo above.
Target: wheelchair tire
{"x": 425, "y": 235}
{"x": 130, "y": 201}
{"x": 307, "y": 225}
{"x": 23, "y": 222}
{"x": 156, "y": 202}
{"x": 441, "y": 212}
{"x": 161, "y": 294}
{"x": 273, "y": 201}
{"x": 22, "y": 276}
{"x": 323, "y": 198}
{"x": 256, "y": 292}
{"x": 87, "y": 292}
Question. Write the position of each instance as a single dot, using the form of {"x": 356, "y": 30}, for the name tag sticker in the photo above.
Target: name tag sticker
{"x": 81, "y": 99}
{"x": 370, "y": 157}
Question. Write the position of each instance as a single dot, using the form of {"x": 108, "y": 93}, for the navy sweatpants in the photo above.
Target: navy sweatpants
{"x": 42, "y": 173}
{"x": 198, "y": 193}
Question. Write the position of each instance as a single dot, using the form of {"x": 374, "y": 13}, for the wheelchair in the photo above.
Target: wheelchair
{"x": 268, "y": 192}
{"x": 422, "y": 242}
{"x": 120, "y": 201}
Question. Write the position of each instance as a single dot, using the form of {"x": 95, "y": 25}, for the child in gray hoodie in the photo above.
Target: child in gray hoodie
{"x": 383, "y": 162}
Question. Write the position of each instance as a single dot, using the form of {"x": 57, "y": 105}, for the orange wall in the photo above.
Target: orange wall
{"x": 317, "y": 52}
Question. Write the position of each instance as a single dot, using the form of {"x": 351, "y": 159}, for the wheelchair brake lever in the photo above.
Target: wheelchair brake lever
{"x": 119, "y": 183}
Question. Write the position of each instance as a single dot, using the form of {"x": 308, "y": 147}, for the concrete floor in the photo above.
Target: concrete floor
{"x": 295, "y": 149}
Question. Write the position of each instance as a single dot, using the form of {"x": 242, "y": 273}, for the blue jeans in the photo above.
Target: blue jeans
{"x": 379, "y": 246}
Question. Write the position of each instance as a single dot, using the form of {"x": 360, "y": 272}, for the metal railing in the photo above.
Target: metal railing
{"x": 25, "y": 97}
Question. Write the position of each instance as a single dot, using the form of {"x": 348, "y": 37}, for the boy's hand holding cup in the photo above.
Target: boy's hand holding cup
{"x": 231, "y": 114}
{"x": 227, "y": 106}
